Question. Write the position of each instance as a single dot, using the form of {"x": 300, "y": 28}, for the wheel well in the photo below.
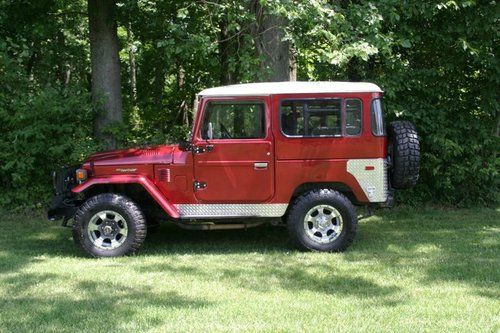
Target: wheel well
{"x": 337, "y": 186}
{"x": 137, "y": 193}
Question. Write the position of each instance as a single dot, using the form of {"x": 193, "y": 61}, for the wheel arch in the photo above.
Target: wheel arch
{"x": 336, "y": 186}
{"x": 130, "y": 185}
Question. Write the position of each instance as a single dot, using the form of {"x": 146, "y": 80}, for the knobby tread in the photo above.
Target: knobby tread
{"x": 135, "y": 219}
{"x": 302, "y": 204}
{"x": 405, "y": 154}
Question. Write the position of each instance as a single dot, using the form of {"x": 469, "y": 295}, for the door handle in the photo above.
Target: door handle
{"x": 203, "y": 149}
{"x": 260, "y": 165}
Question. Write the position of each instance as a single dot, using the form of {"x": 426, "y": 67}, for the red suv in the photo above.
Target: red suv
{"x": 300, "y": 153}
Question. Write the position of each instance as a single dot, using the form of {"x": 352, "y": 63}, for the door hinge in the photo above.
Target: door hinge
{"x": 199, "y": 185}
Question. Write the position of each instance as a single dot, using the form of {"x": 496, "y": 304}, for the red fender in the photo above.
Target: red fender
{"x": 132, "y": 179}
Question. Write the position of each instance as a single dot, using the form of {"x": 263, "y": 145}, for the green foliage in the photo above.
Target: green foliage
{"x": 42, "y": 128}
{"x": 436, "y": 62}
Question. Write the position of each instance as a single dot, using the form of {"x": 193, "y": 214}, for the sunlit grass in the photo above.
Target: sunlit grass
{"x": 426, "y": 270}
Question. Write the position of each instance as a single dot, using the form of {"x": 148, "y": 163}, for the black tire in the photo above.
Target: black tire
{"x": 132, "y": 216}
{"x": 404, "y": 152}
{"x": 310, "y": 200}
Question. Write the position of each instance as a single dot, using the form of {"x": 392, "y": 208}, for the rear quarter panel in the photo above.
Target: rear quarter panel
{"x": 302, "y": 160}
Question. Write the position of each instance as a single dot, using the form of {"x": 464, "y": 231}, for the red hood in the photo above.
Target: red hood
{"x": 149, "y": 155}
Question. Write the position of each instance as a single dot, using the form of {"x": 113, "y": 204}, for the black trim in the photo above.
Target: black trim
{"x": 64, "y": 203}
{"x": 62, "y": 207}
{"x": 343, "y": 117}
{"x": 250, "y": 102}
{"x": 384, "y": 132}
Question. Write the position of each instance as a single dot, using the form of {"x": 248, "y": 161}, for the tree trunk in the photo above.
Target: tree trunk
{"x": 106, "y": 89}
{"x": 132, "y": 64}
{"x": 225, "y": 44}
{"x": 183, "y": 107}
{"x": 277, "y": 61}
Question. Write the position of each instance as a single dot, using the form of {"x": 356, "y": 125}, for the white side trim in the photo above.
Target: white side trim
{"x": 231, "y": 210}
{"x": 373, "y": 182}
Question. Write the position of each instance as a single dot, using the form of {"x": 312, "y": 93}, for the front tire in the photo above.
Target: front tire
{"x": 322, "y": 220}
{"x": 109, "y": 225}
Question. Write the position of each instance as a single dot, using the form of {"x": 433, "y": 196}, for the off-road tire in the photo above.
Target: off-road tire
{"x": 302, "y": 204}
{"x": 404, "y": 152}
{"x": 134, "y": 218}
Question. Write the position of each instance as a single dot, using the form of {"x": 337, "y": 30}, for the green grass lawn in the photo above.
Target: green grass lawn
{"x": 429, "y": 270}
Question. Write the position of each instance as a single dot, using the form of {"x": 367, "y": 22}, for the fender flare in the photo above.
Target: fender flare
{"x": 132, "y": 179}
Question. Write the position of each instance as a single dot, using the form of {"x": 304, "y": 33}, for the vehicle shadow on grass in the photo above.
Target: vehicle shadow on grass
{"x": 445, "y": 246}
{"x": 31, "y": 297}
{"x": 36, "y": 243}
{"x": 90, "y": 306}
{"x": 260, "y": 259}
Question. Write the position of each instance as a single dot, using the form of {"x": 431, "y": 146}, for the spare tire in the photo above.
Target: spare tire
{"x": 404, "y": 154}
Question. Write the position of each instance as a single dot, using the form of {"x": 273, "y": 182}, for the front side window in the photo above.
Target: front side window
{"x": 234, "y": 120}
{"x": 377, "y": 118}
{"x": 312, "y": 118}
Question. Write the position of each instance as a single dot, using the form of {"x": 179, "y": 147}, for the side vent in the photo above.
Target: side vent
{"x": 164, "y": 175}
{"x": 150, "y": 151}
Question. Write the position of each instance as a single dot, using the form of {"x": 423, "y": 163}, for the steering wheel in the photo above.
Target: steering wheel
{"x": 225, "y": 132}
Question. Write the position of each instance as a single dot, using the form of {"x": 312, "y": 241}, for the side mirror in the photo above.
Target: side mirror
{"x": 185, "y": 146}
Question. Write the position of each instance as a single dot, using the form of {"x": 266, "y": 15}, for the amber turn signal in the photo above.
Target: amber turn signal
{"x": 81, "y": 175}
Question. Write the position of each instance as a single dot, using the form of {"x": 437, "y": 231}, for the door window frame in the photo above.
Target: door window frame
{"x": 343, "y": 117}
{"x": 197, "y": 138}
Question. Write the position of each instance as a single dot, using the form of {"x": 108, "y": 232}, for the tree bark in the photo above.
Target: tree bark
{"x": 277, "y": 60}
{"x": 226, "y": 46}
{"x": 105, "y": 64}
{"x": 183, "y": 108}
{"x": 132, "y": 63}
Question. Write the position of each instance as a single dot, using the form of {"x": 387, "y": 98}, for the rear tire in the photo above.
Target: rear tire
{"x": 322, "y": 220}
{"x": 109, "y": 225}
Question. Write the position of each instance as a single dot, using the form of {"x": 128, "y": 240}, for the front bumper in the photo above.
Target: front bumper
{"x": 64, "y": 203}
{"x": 62, "y": 207}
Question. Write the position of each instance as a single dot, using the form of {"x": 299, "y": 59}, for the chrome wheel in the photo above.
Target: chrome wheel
{"x": 107, "y": 230}
{"x": 323, "y": 224}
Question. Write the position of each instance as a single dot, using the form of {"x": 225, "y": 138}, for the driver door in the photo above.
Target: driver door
{"x": 234, "y": 155}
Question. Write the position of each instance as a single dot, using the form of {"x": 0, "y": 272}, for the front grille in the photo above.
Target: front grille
{"x": 64, "y": 179}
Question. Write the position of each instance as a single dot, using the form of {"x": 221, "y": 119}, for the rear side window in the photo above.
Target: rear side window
{"x": 234, "y": 120}
{"x": 377, "y": 118}
{"x": 353, "y": 115}
{"x": 312, "y": 118}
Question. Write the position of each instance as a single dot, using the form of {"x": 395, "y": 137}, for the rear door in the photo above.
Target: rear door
{"x": 234, "y": 155}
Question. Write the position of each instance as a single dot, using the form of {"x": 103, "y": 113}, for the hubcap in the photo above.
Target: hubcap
{"x": 323, "y": 224}
{"x": 107, "y": 230}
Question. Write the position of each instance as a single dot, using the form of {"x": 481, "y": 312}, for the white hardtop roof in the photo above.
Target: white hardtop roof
{"x": 290, "y": 87}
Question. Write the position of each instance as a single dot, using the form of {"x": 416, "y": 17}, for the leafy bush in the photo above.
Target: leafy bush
{"x": 41, "y": 127}
{"x": 436, "y": 61}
